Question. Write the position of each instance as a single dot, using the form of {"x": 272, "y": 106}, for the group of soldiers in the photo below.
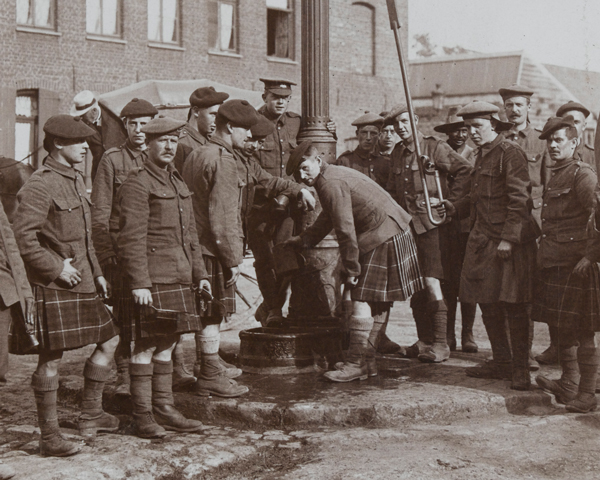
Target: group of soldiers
{"x": 163, "y": 236}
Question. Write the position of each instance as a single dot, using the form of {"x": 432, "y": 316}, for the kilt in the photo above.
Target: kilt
{"x": 217, "y": 282}
{"x": 144, "y": 322}
{"x": 390, "y": 272}
{"x": 456, "y": 242}
{"x": 64, "y": 321}
{"x": 567, "y": 301}
{"x": 113, "y": 273}
{"x": 433, "y": 251}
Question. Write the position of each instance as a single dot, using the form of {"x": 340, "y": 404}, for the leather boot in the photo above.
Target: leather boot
{"x": 354, "y": 367}
{"x": 550, "y": 355}
{"x": 418, "y": 304}
{"x": 468, "y": 311}
{"x": 519, "y": 329}
{"x": 212, "y": 380}
{"x": 93, "y": 419}
{"x": 439, "y": 351}
{"x": 163, "y": 403}
{"x": 52, "y": 444}
{"x": 585, "y": 401}
{"x": 122, "y": 356}
{"x": 141, "y": 398}
{"x": 261, "y": 313}
{"x": 227, "y": 369}
{"x": 181, "y": 376}
{"x": 565, "y": 388}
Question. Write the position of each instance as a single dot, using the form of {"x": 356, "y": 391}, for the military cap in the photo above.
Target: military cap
{"x": 83, "y": 102}
{"x": 162, "y": 125}
{"x": 297, "y": 157}
{"x": 139, "y": 108}
{"x": 205, "y": 97}
{"x": 479, "y": 109}
{"x": 278, "y": 86}
{"x": 397, "y": 110}
{"x": 239, "y": 113}
{"x": 67, "y": 126}
{"x": 368, "y": 119}
{"x": 556, "y": 123}
{"x": 570, "y": 106}
{"x": 386, "y": 120}
{"x": 262, "y": 128}
{"x": 515, "y": 90}
{"x": 453, "y": 122}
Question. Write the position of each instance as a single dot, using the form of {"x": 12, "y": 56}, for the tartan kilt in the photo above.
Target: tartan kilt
{"x": 64, "y": 320}
{"x": 145, "y": 322}
{"x": 113, "y": 273}
{"x": 390, "y": 272}
{"x": 217, "y": 282}
{"x": 567, "y": 301}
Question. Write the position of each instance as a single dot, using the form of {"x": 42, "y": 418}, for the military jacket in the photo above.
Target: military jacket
{"x": 112, "y": 173}
{"x": 405, "y": 180}
{"x": 189, "y": 140}
{"x": 376, "y": 167}
{"x": 158, "y": 242}
{"x": 53, "y": 223}
{"x": 585, "y": 154}
{"x": 568, "y": 204}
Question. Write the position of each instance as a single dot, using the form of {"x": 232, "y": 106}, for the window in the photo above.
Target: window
{"x": 26, "y": 125}
{"x": 103, "y": 17}
{"x": 163, "y": 21}
{"x": 363, "y": 38}
{"x": 223, "y": 28}
{"x": 280, "y": 29}
{"x": 36, "y": 13}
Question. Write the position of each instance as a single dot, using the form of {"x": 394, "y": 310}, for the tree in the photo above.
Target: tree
{"x": 424, "y": 45}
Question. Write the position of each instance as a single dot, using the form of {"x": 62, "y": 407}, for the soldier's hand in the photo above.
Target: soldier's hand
{"x": 306, "y": 200}
{"x": 29, "y": 310}
{"x": 205, "y": 285}
{"x": 505, "y": 249}
{"x": 331, "y": 128}
{"x": 445, "y": 207}
{"x": 69, "y": 275}
{"x": 142, "y": 296}
{"x": 231, "y": 276}
{"x": 294, "y": 242}
{"x": 102, "y": 287}
{"x": 582, "y": 269}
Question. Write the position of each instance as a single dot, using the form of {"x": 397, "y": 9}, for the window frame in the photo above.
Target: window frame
{"x": 33, "y": 120}
{"x": 215, "y": 46}
{"x": 177, "y": 29}
{"x": 291, "y": 33}
{"x": 118, "y": 22}
{"x": 373, "y": 38}
{"x": 52, "y": 25}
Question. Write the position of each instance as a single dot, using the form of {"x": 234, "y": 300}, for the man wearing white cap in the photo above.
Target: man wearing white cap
{"x": 85, "y": 105}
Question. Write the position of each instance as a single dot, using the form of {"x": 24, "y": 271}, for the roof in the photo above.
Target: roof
{"x": 583, "y": 84}
{"x": 469, "y": 74}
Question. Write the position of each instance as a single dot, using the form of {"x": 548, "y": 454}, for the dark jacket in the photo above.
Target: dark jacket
{"x": 112, "y": 173}
{"x": 189, "y": 140}
{"x": 405, "y": 180}
{"x": 586, "y": 154}
{"x": 96, "y": 144}
{"x": 211, "y": 173}
{"x": 158, "y": 242}
{"x": 568, "y": 203}
{"x": 274, "y": 154}
{"x": 53, "y": 223}
{"x": 362, "y": 214}
{"x": 376, "y": 167}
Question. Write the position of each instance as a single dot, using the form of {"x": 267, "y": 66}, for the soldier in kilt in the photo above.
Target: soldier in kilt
{"x": 53, "y": 232}
{"x": 377, "y": 249}
{"x": 115, "y": 165}
{"x": 159, "y": 250}
{"x": 567, "y": 281}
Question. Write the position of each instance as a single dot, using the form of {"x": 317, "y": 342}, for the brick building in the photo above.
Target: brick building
{"x": 53, "y": 49}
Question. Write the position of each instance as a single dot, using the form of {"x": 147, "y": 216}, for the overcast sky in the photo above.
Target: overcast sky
{"x": 559, "y": 32}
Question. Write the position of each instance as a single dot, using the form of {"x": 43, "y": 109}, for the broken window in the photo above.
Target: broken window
{"x": 26, "y": 125}
{"x": 280, "y": 29}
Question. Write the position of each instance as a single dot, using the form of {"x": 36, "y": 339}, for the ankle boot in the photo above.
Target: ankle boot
{"x": 519, "y": 329}
{"x": 439, "y": 351}
{"x": 451, "y": 304}
{"x": 141, "y": 398}
{"x": 163, "y": 403}
{"x": 585, "y": 401}
{"x": 181, "y": 376}
{"x": 93, "y": 419}
{"x": 212, "y": 379}
{"x": 354, "y": 367}
{"x": 550, "y": 355}
{"x": 467, "y": 311}
{"x": 227, "y": 369}
{"x": 565, "y": 388}
{"x": 52, "y": 444}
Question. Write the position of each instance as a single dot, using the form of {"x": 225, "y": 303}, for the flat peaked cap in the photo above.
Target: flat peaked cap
{"x": 83, "y": 102}
{"x": 67, "y": 126}
{"x": 240, "y": 113}
{"x": 296, "y": 157}
{"x": 278, "y": 86}
{"x": 368, "y": 119}
{"x": 397, "y": 110}
{"x": 262, "y": 128}
{"x": 139, "y": 108}
{"x": 515, "y": 90}
{"x": 570, "y": 106}
{"x": 556, "y": 123}
{"x": 453, "y": 122}
{"x": 477, "y": 108}
{"x": 207, "y": 97}
{"x": 162, "y": 125}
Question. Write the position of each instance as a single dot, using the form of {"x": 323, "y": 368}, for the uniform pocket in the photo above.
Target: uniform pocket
{"x": 68, "y": 219}
{"x": 163, "y": 209}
